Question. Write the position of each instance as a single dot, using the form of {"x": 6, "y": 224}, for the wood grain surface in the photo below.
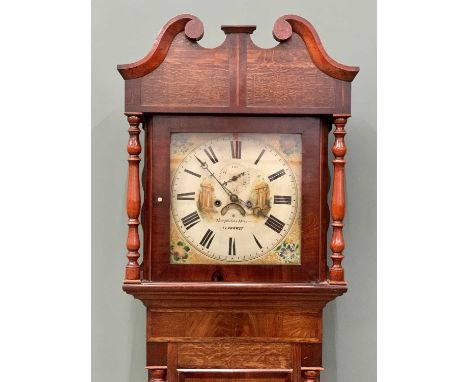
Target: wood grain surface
{"x": 234, "y": 375}
{"x": 295, "y": 77}
{"x": 338, "y": 202}
{"x": 236, "y": 323}
{"x": 314, "y": 160}
{"x": 176, "y": 83}
{"x": 234, "y": 355}
{"x": 284, "y": 76}
{"x": 132, "y": 270}
{"x": 163, "y": 325}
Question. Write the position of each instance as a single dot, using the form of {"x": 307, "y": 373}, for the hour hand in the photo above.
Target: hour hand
{"x": 234, "y": 178}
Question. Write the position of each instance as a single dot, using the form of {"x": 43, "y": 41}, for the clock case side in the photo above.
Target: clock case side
{"x": 157, "y": 196}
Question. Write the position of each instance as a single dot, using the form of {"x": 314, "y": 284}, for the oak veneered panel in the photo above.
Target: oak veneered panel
{"x": 284, "y": 76}
{"x": 234, "y": 355}
{"x": 239, "y": 77}
{"x": 190, "y": 75}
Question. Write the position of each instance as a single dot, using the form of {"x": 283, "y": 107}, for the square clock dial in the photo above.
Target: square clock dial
{"x": 235, "y": 198}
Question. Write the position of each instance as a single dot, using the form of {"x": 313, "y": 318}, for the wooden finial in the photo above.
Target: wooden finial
{"x": 132, "y": 270}
{"x": 191, "y": 25}
{"x": 311, "y": 374}
{"x": 283, "y": 30}
{"x": 338, "y": 203}
{"x": 157, "y": 374}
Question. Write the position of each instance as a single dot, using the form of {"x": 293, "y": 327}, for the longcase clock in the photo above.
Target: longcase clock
{"x": 236, "y": 179}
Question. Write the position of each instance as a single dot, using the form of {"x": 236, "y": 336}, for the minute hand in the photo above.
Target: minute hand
{"x": 205, "y": 166}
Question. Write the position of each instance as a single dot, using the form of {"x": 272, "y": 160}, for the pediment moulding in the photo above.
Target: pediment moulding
{"x": 238, "y": 76}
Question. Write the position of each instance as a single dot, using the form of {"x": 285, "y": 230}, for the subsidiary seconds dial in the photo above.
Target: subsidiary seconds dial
{"x": 234, "y": 198}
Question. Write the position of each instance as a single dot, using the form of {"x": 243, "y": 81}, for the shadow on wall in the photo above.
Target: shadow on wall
{"x": 329, "y": 348}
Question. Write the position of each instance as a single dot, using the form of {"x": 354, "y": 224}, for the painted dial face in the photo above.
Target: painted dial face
{"x": 234, "y": 198}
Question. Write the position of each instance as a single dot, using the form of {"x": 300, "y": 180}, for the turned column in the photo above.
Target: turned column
{"x": 311, "y": 374}
{"x": 157, "y": 373}
{"x": 338, "y": 203}
{"x": 132, "y": 270}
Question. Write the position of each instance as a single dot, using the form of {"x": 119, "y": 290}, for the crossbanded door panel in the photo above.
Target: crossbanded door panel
{"x": 234, "y": 375}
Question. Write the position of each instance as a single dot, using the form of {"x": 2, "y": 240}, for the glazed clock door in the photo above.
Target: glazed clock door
{"x": 235, "y": 198}
{"x": 228, "y": 198}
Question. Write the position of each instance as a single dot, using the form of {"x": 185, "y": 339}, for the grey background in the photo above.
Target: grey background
{"x": 122, "y": 32}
